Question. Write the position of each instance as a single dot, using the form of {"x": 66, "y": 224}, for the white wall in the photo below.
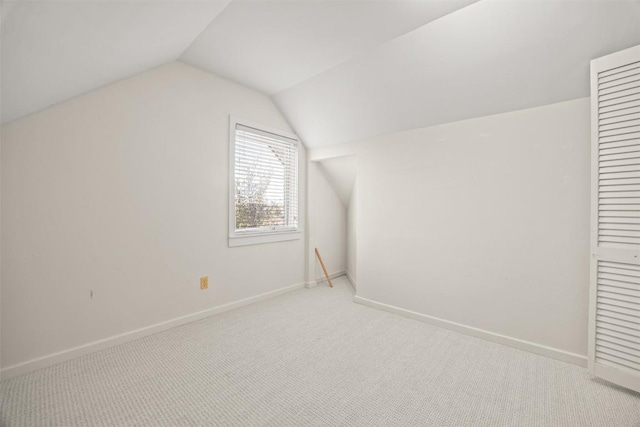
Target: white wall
{"x": 483, "y": 222}
{"x": 341, "y": 174}
{"x": 5, "y": 7}
{"x": 352, "y": 235}
{"x": 123, "y": 193}
{"x": 327, "y": 224}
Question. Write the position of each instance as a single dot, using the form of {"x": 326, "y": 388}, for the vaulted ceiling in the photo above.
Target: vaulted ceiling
{"x": 55, "y": 50}
{"x": 339, "y": 70}
{"x": 274, "y": 45}
{"x": 487, "y": 58}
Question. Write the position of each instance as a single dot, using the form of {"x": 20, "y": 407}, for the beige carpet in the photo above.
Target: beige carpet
{"x": 312, "y": 357}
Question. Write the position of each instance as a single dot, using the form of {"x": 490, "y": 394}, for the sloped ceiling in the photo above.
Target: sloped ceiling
{"x": 339, "y": 70}
{"x": 488, "y": 58}
{"x": 55, "y": 50}
{"x": 273, "y": 45}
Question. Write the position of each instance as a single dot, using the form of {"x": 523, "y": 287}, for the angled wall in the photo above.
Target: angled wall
{"x": 327, "y": 224}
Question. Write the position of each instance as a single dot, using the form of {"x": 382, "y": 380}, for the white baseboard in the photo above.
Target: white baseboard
{"x": 311, "y": 284}
{"x": 63, "y": 356}
{"x": 351, "y": 279}
{"x": 542, "y": 350}
{"x": 323, "y": 279}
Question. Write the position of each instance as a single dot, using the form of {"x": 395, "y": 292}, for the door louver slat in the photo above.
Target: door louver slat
{"x": 620, "y": 346}
{"x": 618, "y": 72}
{"x": 603, "y": 347}
{"x": 624, "y": 160}
{"x": 621, "y": 304}
{"x": 623, "y": 85}
{"x": 612, "y": 331}
{"x": 620, "y": 277}
{"x": 617, "y": 115}
{"x": 618, "y": 296}
{"x": 618, "y": 150}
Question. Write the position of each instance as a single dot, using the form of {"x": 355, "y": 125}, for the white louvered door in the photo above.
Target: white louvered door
{"x": 614, "y": 312}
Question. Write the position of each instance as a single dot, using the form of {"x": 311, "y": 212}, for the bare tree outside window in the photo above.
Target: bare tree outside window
{"x": 254, "y": 209}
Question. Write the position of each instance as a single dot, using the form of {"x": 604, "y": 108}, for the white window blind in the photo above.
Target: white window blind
{"x": 265, "y": 182}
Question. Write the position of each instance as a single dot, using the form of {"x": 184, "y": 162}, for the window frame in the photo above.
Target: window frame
{"x": 256, "y": 237}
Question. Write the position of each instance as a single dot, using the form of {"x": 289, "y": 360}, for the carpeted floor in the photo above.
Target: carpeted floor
{"x": 313, "y": 357}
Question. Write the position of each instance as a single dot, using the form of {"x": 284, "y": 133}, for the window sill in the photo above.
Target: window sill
{"x": 259, "y": 239}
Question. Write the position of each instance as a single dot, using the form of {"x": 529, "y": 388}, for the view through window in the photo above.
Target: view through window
{"x": 266, "y": 181}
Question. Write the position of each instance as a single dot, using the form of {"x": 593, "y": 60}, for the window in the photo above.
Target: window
{"x": 263, "y": 190}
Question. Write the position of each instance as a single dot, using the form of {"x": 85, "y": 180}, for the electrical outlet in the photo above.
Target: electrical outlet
{"x": 204, "y": 282}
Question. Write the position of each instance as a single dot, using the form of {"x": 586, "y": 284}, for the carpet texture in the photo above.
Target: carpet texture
{"x": 313, "y": 357}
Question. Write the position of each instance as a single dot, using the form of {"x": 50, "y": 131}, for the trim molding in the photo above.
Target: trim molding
{"x": 92, "y": 347}
{"x": 351, "y": 280}
{"x": 259, "y": 239}
{"x": 323, "y": 279}
{"x": 554, "y": 353}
